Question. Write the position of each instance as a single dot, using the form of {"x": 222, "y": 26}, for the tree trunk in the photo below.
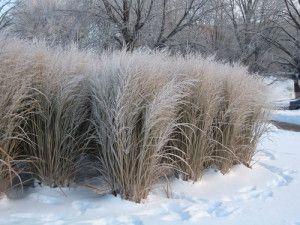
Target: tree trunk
{"x": 296, "y": 86}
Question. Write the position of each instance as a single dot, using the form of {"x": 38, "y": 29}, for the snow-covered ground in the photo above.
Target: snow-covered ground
{"x": 287, "y": 116}
{"x": 268, "y": 194}
{"x": 280, "y": 90}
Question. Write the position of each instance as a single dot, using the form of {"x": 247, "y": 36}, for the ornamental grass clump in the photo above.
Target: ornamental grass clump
{"x": 138, "y": 112}
{"x": 54, "y": 111}
{"x": 15, "y": 107}
{"x": 132, "y": 117}
{"x": 241, "y": 119}
{"x": 222, "y": 118}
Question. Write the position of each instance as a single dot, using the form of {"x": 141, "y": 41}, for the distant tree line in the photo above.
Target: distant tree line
{"x": 261, "y": 34}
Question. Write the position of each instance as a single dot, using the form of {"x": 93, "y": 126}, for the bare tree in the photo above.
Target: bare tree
{"x": 213, "y": 35}
{"x": 287, "y": 39}
{"x": 129, "y": 16}
{"x": 160, "y": 19}
{"x": 250, "y": 20}
{"x": 5, "y": 8}
{"x": 57, "y": 22}
{"x": 232, "y": 30}
{"x": 187, "y": 14}
{"x": 288, "y": 42}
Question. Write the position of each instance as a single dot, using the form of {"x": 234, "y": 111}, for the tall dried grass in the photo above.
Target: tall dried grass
{"x": 222, "y": 119}
{"x": 141, "y": 115}
{"x": 15, "y": 106}
{"x": 137, "y": 105}
{"x": 241, "y": 119}
{"x": 54, "y": 113}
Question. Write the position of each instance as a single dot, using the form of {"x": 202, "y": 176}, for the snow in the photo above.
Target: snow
{"x": 280, "y": 90}
{"x": 266, "y": 194}
{"x": 286, "y": 116}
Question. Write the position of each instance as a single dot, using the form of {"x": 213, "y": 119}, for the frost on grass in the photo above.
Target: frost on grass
{"x": 130, "y": 119}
